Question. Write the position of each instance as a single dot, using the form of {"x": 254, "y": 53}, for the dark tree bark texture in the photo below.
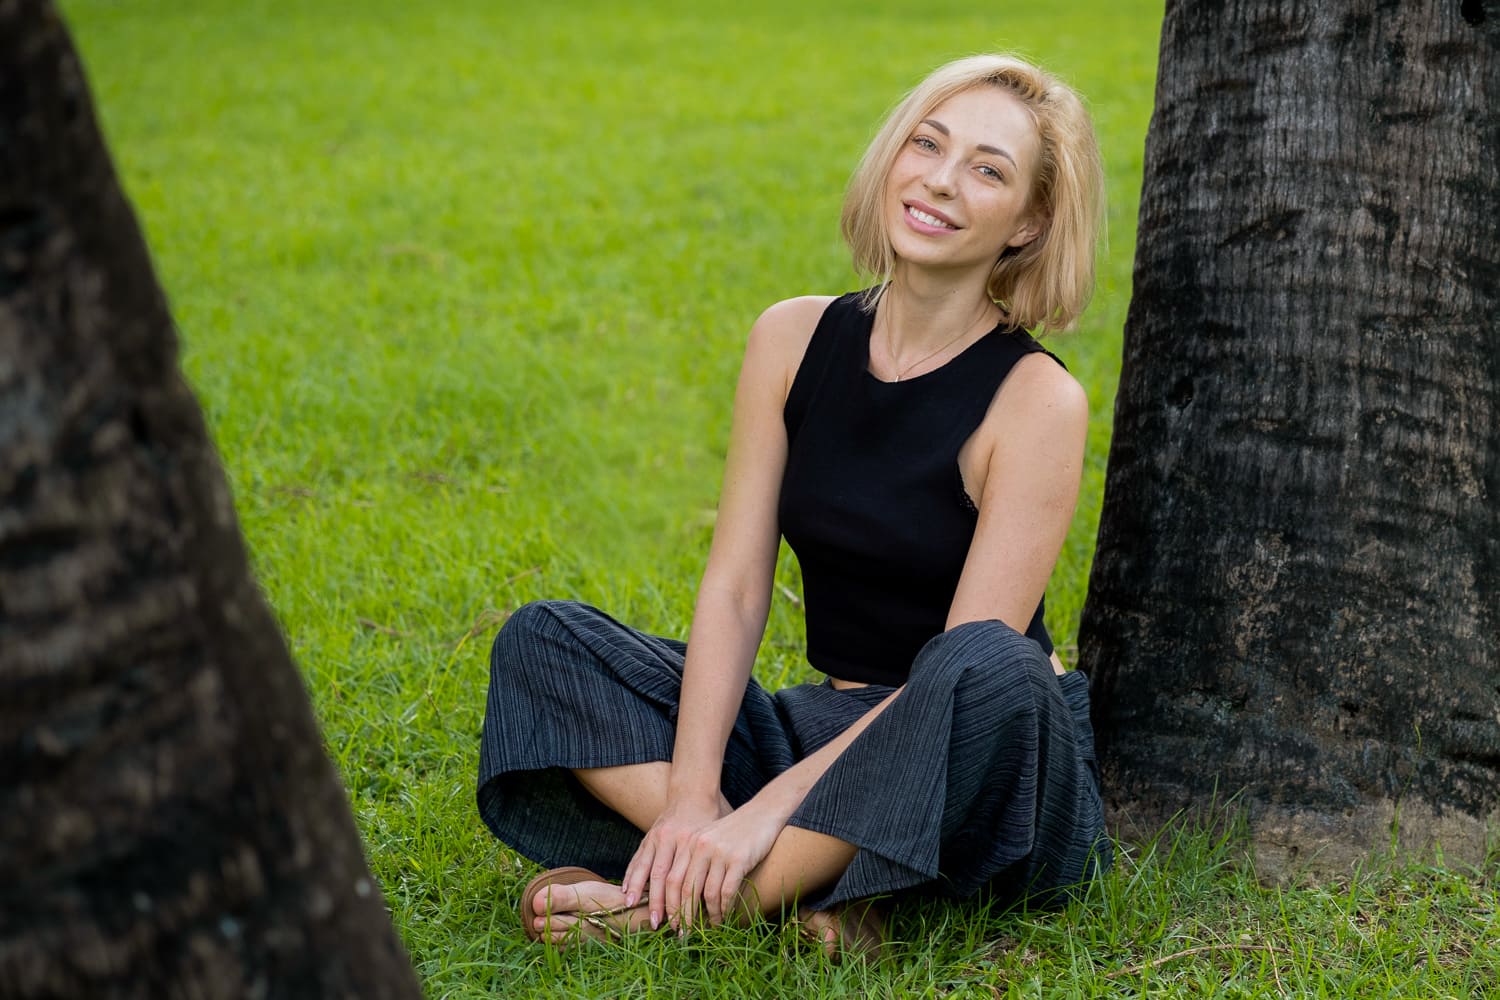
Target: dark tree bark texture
{"x": 1294, "y": 595}
{"x": 169, "y": 824}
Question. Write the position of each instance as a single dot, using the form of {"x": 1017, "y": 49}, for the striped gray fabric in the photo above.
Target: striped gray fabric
{"x": 979, "y": 777}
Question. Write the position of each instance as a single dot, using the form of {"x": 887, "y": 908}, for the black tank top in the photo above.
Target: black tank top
{"x": 872, "y": 500}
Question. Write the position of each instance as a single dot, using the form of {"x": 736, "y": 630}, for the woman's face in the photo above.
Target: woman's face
{"x": 957, "y": 195}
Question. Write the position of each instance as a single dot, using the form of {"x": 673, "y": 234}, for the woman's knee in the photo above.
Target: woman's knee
{"x": 522, "y": 637}
{"x": 984, "y": 658}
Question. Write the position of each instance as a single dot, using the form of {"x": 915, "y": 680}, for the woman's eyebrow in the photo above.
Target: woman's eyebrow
{"x": 982, "y": 148}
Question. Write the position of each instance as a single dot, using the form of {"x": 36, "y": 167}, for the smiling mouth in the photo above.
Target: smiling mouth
{"x": 929, "y": 220}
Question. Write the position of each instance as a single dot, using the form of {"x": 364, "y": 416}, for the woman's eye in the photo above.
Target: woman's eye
{"x": 923, "y": 142}
{"x": 991, "y": 173}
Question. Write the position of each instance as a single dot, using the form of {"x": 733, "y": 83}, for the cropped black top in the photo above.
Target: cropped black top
{"x": 872, "y": 500}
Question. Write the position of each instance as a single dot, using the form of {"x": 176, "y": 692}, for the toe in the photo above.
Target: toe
{"x": 579, "y": 897}
{"x": 560, "y": 931}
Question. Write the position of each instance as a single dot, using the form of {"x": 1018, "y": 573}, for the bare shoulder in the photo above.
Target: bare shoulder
{"x": 789, "y": 324}
{"x": 1040, "y": 390}
{"x": 781, "y": 334}
{"x": 1038, "y": 420}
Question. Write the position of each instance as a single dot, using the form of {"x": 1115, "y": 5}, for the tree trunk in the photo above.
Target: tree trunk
{"x": 1294, "y": 594}
{"x": 169, "y": 824}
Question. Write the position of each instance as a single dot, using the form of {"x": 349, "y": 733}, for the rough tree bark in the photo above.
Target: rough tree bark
{"x": 169, "y": 824}
{"x": 1294, "y": 593}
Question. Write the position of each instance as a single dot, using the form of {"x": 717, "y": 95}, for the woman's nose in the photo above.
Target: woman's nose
{"x": 940, "y": 179}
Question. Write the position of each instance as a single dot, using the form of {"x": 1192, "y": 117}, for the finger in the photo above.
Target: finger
{"x": 692, "y": 888}
{"x": 713, "y": 894}
{"x": 656, "y": 897}
{"x": 637, "y": 871}
{"x": 733, "y": 900}
{"x": 672, "y": 886}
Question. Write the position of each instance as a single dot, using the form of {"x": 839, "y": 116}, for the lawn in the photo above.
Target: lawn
{"x": 463, "y": 288}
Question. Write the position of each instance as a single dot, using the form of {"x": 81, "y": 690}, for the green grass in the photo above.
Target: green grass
{"x": 463, "y": 290}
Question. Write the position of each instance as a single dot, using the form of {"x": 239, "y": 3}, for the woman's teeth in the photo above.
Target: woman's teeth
{"x": 930, "y": 220}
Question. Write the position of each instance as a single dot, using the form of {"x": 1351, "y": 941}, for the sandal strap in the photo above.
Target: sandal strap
{"x": 595, "y": 920}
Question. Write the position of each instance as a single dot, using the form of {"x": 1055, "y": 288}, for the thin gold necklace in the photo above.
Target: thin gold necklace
{"x": 901, "y": 372}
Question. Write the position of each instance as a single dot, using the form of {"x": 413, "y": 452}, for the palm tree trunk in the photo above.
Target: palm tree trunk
{"x": 1294, "y": 594}
{"x": 171, "y": 826}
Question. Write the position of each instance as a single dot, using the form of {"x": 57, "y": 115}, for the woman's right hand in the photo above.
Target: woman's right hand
{"x": 668, "y": 837}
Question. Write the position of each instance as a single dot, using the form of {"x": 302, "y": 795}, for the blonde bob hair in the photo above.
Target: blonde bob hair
{"x": 1045, "y": 284}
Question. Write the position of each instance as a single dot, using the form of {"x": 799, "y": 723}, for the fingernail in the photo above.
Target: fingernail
{"x": 655, "y": 920}
{"x": 630, "y": 899}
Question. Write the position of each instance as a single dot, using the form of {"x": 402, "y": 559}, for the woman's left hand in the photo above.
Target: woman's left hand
{"x": 705, "y": 882}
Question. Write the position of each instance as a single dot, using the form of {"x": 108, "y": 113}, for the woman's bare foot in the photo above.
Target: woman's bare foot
{"x": 572, "y": 897}
{"x": 854, "y": 929}
{"x": 569, "y": 903}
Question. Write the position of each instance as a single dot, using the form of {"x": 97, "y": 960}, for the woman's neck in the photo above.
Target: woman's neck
{"x": 919, "y": 313}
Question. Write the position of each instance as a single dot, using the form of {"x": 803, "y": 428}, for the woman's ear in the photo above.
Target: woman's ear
{"x": 1033, "y": 228}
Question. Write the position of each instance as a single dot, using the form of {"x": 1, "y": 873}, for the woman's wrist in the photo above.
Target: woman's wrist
{"x": 689, "y": 788}
{"x": 781, "y": 796}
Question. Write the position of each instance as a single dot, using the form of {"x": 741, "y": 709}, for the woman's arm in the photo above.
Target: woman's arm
{"x": 733, "y": 597}
{"x": 1029, "y": 453}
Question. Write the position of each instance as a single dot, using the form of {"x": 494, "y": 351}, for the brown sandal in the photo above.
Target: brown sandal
{"x": 594, "y": 919}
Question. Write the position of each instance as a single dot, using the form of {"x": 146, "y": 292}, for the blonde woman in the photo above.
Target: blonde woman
{"x": 921, "y": 453}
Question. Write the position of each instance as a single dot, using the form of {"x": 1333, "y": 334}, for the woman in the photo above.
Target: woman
{"x": 922, "y": 455}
